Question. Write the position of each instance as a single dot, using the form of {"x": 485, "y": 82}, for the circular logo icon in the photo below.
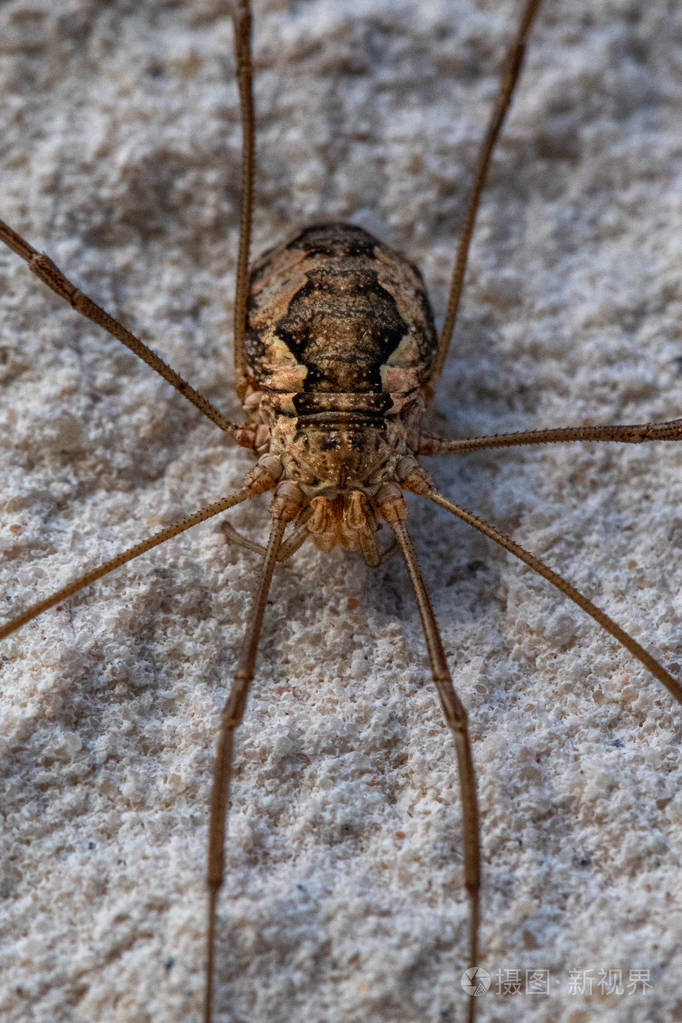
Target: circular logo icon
{"x": 476, "y": 980}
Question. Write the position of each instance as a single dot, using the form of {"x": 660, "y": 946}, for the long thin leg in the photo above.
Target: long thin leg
{"x": 242, "y": 50}
{"x": 49, "y": 273}
{"x": 456, "y": 719}
{"x": 230, "y": 717}
{"x": 418, "y": 482}
{"x": 633, "y": 434}
{"x": 510, "y": 76}
{"x": 258, "y": 483}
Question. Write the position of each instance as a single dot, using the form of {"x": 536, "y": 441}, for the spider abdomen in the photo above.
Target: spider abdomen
{"x": 335, "y": 311}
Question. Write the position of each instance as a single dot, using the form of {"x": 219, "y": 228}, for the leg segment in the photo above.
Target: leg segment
{"x": 632, "y": 434}
{"x": 50, "y": 274}
{"x": 298, "y": 536}
{"x": 456, "y": 719}
{"x": 419, "y": 483}
{"x": 233, "y": 535}
{"x": 230, "y": 717}
{"x": 287, "y": 548}
{"x": 242, "y": 50}
{"x": 509, "y": 79}
{"x": 250, "y": 490}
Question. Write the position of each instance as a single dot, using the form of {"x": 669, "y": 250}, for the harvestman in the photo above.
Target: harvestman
{"x": 335, "y": 360}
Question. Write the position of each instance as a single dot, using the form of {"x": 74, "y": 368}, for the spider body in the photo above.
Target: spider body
{"x": 339, "y": 343}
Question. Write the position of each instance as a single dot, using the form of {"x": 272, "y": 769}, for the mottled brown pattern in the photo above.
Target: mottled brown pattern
{"x": 334, "y": 310}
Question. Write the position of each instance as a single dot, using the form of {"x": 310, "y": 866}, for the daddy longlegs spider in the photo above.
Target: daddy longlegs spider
{"x": 65, "y": 438}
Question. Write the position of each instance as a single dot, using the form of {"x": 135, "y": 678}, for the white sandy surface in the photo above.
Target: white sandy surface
{"x": 119, "y": 151}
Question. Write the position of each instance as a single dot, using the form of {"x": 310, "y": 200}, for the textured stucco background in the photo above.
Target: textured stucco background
{"x": 119, "y": 150}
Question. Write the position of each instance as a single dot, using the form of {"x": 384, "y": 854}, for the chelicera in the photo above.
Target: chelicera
{"x": 336, "y": 360}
